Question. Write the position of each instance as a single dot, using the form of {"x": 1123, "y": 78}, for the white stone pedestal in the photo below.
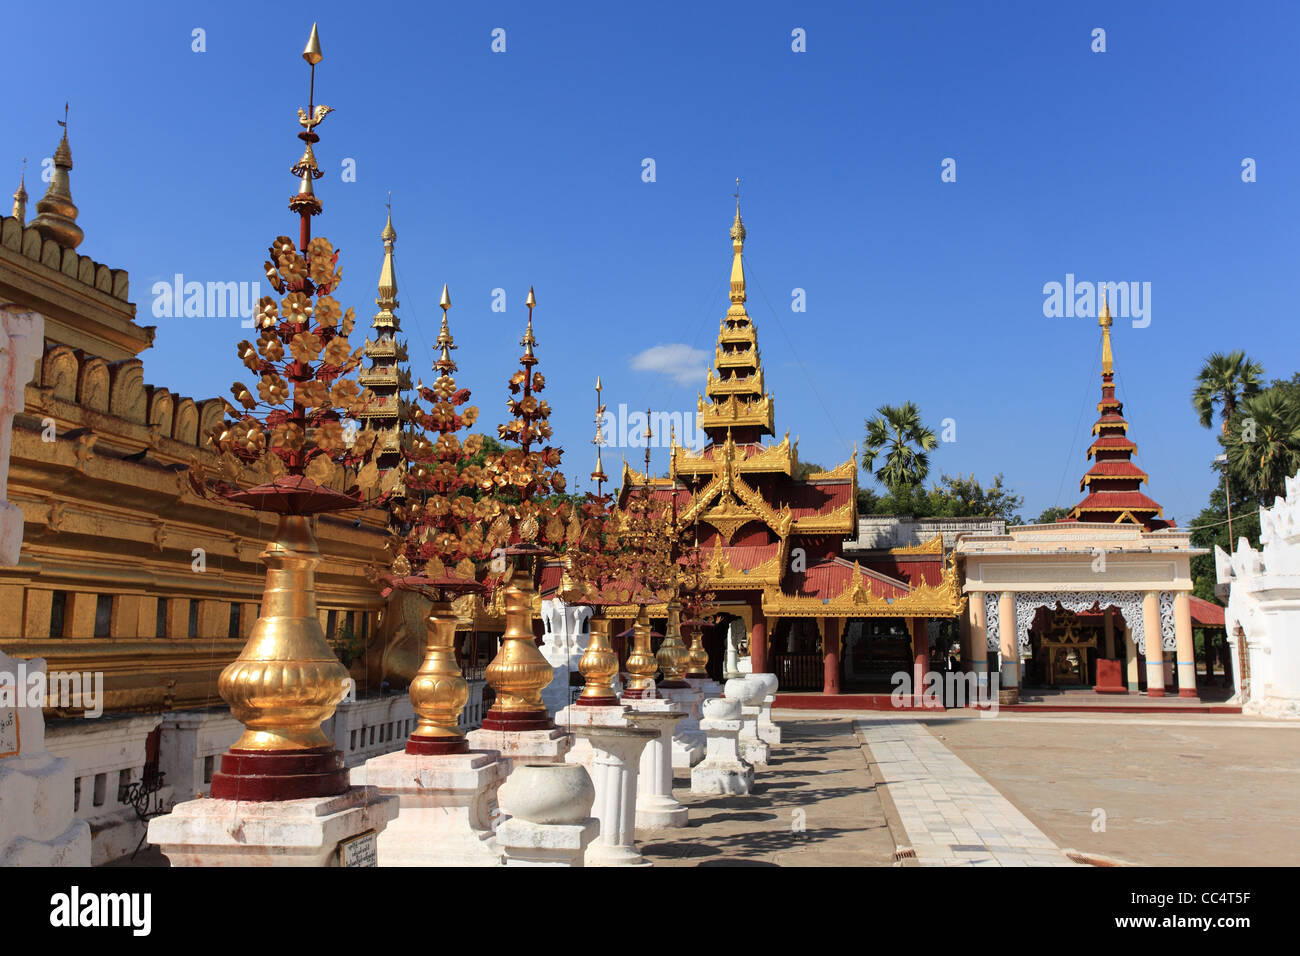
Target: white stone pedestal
{"x": 615, "y": 770}
{"x": 656, "y": 807}
{"x": 688, "y": 739}
{"x": 522, "y": 746}
{"x": 37, "y": 826}
{"x": 575, "y": 716}
{"x": 722, "y": 771}
{"x": 749, "y": 694}
{"x": 706, "y": 686}
{"x": 448, "y": 804}
{"x": 548, "y": 807}
{"x": 765, "y": 730}
{"x": 304, "y": 832}
{"x": 768, "y": 731}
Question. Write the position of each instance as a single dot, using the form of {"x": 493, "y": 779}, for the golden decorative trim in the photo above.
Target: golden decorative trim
{"x": 932, "y": 546}
{"x": 848, "y": 469}
{"x": 839, "y": 520}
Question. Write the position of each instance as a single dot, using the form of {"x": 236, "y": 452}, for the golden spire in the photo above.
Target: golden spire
{"x": 306, "y": 169}
{"x": 20, "y": 196}
{"x": 387, "y": 276}
{"x": 737, "y": 268}
{"x": 56, "y": 213}
{"x": 1105, "y": 321}
{"x": 598, "y": 473}
{"x": 445, "y": 365}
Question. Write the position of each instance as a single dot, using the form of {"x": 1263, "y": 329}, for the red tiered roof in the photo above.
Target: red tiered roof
{"x": 1116, "y": 496}
{"x": 829, "y": 579}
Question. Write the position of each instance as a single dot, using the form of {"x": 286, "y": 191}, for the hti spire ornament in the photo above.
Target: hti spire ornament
{"x": 521, "y": 481}
{"x": 56, "y": 212}
{"x": 441, "y": 550}
{"x": 288, "y": 443}
{"x": 305, "y": 202}
{"x": 20, "y": 196}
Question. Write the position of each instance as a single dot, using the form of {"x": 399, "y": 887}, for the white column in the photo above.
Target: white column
{"x": 656, "y": 807}
{"x": 614, "y": 764}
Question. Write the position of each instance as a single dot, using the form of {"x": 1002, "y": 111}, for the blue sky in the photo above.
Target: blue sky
{"x": 525, "y": 167}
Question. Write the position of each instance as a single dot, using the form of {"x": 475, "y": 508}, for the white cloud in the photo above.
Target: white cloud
{"x": 685, "y": 365}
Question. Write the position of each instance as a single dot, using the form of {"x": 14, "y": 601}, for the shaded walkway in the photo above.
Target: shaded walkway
{"x": 814, "y": 805}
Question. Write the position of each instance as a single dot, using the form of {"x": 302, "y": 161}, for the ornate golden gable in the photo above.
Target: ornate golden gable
{"x": 942, "y": 600}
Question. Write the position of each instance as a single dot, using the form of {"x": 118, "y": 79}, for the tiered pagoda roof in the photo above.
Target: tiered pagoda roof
{"x": 1113, "y": 482}
{"x": 386, "y": 378}
{"x": 762, "y": 530}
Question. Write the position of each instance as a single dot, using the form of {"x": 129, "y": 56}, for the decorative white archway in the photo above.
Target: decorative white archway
{"x": 1129, "y": 604}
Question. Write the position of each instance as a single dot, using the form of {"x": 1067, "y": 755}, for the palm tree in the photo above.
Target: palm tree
{"x": 1225, "y": 381}
{"x": 897, "y": 433}
{"x": 1265, "y": 449}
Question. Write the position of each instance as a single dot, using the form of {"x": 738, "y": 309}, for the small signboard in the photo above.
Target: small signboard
{"x": 9, "y": 739}
{"x": 360, "y": 850}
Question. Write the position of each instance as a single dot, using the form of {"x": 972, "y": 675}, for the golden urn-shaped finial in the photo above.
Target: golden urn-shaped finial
{"x": 641, "y": 663}
{"x": 673, "y": 655}
{"x": 438, "y": 691}
{"x": 284, "y": 683}
{"x": 599, "y": 667}
{"x": 697, "y": 661}
{"x": 519, "y": 672}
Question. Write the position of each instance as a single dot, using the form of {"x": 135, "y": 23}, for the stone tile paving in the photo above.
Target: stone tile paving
{"x": 952, "y": 815}
{"x": 1162, "y": 791}
{"x": 817, "y": 779}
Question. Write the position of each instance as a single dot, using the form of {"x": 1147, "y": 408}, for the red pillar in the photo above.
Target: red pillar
{"x": 920, "y": 657}
{"x": 831, "y": 655}
{"x": 758, "y": 644}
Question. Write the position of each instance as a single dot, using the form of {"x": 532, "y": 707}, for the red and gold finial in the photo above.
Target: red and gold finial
{"x": 305, "y": 203}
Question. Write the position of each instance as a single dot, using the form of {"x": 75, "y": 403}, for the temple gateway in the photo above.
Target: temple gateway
{"x": 1090, "y": 599}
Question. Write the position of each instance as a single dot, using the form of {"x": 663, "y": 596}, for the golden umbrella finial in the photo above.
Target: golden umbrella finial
{"x": 446, "y": 298}
{"x": 531, "y": 300}
{"x": 311, "y": 52}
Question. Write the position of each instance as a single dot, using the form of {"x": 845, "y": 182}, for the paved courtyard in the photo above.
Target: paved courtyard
{"x": 1170, "y": 790}
{"x": 950, "y": 814}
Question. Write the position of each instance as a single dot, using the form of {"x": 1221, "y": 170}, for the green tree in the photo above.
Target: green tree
{"x": 803, "y": 469}
{"x": 1223, "y": 383}
{"x": 1264, "y": 446}
{"x": 897, "y": 434}
{"x": 961, "y": 497}
{"x": 1050, "y": 515}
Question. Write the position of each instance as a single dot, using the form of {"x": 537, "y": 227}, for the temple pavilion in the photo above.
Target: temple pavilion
{"x": 1100, "y": 598}
{"x": 772, "y": 535}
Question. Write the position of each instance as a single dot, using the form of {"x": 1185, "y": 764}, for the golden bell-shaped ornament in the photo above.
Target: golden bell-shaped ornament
{"x": 599, "y": 667}
{"x": 641, "y": 664}
{"x": 673, "y": 655}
